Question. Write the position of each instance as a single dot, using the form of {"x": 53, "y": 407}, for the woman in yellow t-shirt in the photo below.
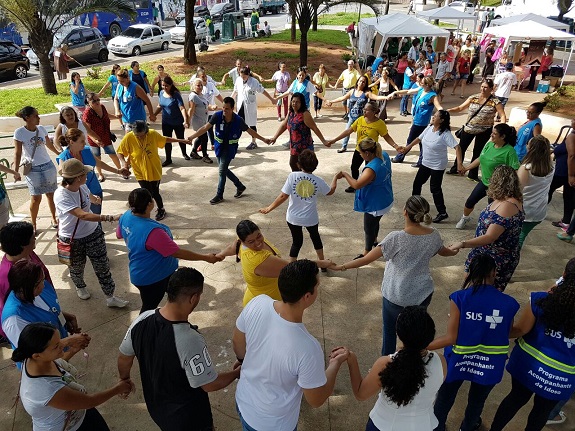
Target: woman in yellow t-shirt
{"x": 261, "y": 261}
{"x": 366, "y": 126}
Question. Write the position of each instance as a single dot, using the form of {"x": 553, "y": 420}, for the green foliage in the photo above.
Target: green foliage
{"x": 346, "y": 56}
{"x": 490, "y": 3}
{"x": 328, "y": 37}
{"x": 561, "y": 97}
{"x": 281, "y": 55}
{"x": 94, "y": 72}
{"x": 341, "y": 18}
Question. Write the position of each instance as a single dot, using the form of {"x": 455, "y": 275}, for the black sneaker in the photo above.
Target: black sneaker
{"x": 323, "y": 269}
{"x": 350, "y": 190}
{"x": 239, "y": 193}
{"x": 440, "y": 217}
{"x": 161, "y": 214}
{"x": 166, "y": 163}
{"x": 216, "y": 200}
{"x": 416, "y": 165}
{"x": 186, "y": 157}
{"x": 452, "y": 171}
{"x": 194, "y": 155}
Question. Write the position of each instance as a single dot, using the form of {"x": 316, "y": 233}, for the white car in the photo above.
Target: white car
{"x": 139, "y": 38}
{"x": 462, "y": 6}
{"x": 178, "y": 33}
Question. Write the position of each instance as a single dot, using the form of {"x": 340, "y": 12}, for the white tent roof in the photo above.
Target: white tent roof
{"x": 527, "y": 30}
{"x": 530, "y": 17}
{"x": 446, "y": 12}
{"x": 394, "y": 25}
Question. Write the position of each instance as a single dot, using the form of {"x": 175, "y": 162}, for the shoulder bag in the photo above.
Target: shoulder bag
{"x": 460, "y": 130}
{"x": 27, "y": 164}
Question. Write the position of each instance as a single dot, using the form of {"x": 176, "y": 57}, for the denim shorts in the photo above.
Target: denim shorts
{"x": 463, "y": 75}
{"x": 42, "y": 179}
{"x": 97, "y": 151}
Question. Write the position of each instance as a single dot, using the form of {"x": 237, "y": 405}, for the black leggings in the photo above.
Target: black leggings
{"x": 167, "y": 130}
{"x": 517, "y": 398}
{"x": 568, "y": 196}
{"x": 478, "y": 193}
{"x": 203, "y": 141}
{"x": 317, "y": 103}
{"x": 421, "y": 178}
{"x": 465, "y": 141}
{"x": 152, "y": 294}
{"x": 293, "y": 163}
{"x": 371, "y": 229}
{"x": 154, "y": 188}
{"x": 93, "y": 421}
{"x": 297, "y": 238}
{"x": 356, "y": 162}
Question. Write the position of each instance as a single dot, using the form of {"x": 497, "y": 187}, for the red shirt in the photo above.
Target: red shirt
{"x": 463, "y": 65}
{"x": 100, "y": 126}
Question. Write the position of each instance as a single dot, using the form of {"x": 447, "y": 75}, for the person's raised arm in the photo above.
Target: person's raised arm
{"x": 525, "y": 323}
{"x": 282, "y": 128}
{"x": 317, "y": 396}
{"x": 437, "y": 103}
{"x": 372, "y": 256}
{"x": 366, "y": 177}
{"x": 106, "y": 85}
{"x": 70, "y": 399}
{"x": 346, "y": 96}
{"x": 342, "y": 135}
{"x": 200, "y": 131}
{"x": 452, "y": 329}
{"x": 255, "y": 134}
{"x": 269, "y": 96}
{"x": 184, "y": 254}
{"x": 282, "y": 197}
{"x": 364, "y": 388}
{"x": 463, "y": 106}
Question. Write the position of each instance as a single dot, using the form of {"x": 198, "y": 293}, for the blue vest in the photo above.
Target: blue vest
{"x": 480, "y": 352}
{"x": 146, "y": 266}
{"x": 421, "y": 108}
{"x": 544, "y": 363}
{"x": 88, "y": 159}
{"x": 131, "y": 105}
{"x": 524, "y": 134}
{"x": 234, "y": 131}
{"x": 378, "y": 194}
{"x": 30, "y": 313}
{"x": 301, "y": 87}
{"x": 80, "y": 98}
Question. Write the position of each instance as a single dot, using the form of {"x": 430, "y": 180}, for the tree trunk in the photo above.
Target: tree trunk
{"x": 314, "y": 23}
{"x": 303, "y": 47}
{"x": 46, "y": 74}
{"x": 386, "y": 10}
{"x": 190, "y": 38}
{"x": 41, "y": 42}
{"x": 304, "y": 22}
{"x": 293, "y": 29}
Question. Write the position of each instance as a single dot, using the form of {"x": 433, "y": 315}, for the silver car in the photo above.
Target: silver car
{"x": 178, "y": 33}
{"x": 139, "y": 38}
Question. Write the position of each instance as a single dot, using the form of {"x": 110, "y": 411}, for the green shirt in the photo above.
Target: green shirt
{"x": 491, "y": 157}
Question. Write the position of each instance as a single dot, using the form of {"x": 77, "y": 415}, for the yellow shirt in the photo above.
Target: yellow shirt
{"x": 143, "y": 154}
{"x": 256, "y": 284}
{"x": 372, "y": 130}
{"x": 321, "y": 80}
{"x": 349, "y": 78}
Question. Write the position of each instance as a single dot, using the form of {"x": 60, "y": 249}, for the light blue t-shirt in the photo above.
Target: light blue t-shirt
{"x": 524, "y": 134}
{"x": 80, "y": 98}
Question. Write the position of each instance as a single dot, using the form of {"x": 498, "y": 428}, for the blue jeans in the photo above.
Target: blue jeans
{"x": 348, "y": 125}
{"x": 403, "y": 104}
{"x": 475, "y": 402}
{"x": 225, "y": 172}
{"x": 245, "y": 426}
{"x": 414, "y": 132}
{"x": 390, "y": 313}
{"x": 370, "y": 426}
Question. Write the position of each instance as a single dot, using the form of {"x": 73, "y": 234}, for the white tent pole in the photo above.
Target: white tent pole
{"x": 568, "y": 61}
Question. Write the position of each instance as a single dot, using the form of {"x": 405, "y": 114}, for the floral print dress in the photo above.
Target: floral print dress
{"x": 299, "y": 134}
{"x": 505, "y": 249}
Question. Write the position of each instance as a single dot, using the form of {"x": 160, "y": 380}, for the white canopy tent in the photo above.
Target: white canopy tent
{"x": 393, "y": 25}
{"x": 531, "y": 17}
{"x": 447, "y": 13}
{"x": 530, "y": 30}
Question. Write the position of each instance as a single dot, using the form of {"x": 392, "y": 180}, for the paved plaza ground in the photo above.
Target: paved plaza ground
{"x": 348, "y": 309}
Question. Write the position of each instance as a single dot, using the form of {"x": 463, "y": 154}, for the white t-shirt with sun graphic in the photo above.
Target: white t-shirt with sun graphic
{"x": 303, "y": 190}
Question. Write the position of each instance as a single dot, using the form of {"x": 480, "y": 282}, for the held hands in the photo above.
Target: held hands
{"x": 401, "y": 150}
{"x": 152, "y": 117}
{"x": 72, "y": 324}
{"x": 77, "y": 342}
{"x": 456, "y": 246}
{"x": 269, "y": 141}
{"x": 328, "y": 144}
{"x": 339, "y": 355}
{"x": 339, "y": 175}
{"x": 17, "y": 176}
{"x": 328, "y": 103}
{"x": 325, "y": 263}
{"x": 214, "y": 258}
{"x": 461, "y": 169}
{"x": 124, "y": 388}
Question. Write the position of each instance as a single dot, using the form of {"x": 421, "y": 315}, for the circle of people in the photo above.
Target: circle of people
{"x": 275, "y": 354}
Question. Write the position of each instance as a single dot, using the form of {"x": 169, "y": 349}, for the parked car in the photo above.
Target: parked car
{"x": 139, "y": 38}
{"x": 219, "y": 9}
{"x": 85, "y": 44}
{"x": 178, "y": 33}
{"x": 13, "y": 60}
{"x": 462, "y": 6}
{"x": 199, "y": 11}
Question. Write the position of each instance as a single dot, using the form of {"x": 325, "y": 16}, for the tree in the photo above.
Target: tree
{"x": 42, "y": 19}
{"x": 190, "y": 37}
{"x": 306, "y": 11}
{"x": 564, "y": 6}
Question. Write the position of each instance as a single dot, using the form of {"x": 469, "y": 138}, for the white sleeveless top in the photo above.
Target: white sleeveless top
{"x": 418, "y": 414}
{"x": 384, "y": 86}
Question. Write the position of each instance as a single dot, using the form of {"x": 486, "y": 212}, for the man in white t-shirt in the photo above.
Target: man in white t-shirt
{"x": 503, "y": 83}
{"x": 235, "y": 73}
{"x": 280, "y": 359}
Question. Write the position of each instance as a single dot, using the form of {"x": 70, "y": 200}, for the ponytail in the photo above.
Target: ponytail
{"x": 34, "y": 338}
{"x": 368, "y": 145}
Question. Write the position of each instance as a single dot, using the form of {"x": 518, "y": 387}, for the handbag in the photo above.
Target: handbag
{"x": 460, "y": 130}
{"x": 27, "y": 164}
{"x": 65, "y": 249}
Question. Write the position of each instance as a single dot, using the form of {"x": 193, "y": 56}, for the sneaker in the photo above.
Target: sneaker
{"x": 83, "y": 293}
{"x": 398, "y": 159}
{"x": 186, "y": 157}
{"x": 161, "y": 214}
{"x": 116, "y": 302}
{"x": 564, "y": 236}
{"x": 239, "y": 193}
{"x": 416, "y": 165}
{"x": 252, "y": 146}
{"x": 164, "y": 164}
{"x": 279, "y": 119}
{"x": 216, "y": 200}
{"x": 285, "y": 144}
{"x": 345, "y": 117}
{"x": 475, "y": 179}
{"x": 561, "y": 419}
{"x": 440, "y": 218}
{"x": 463, "y": 222}
{"x": 206, "y": 159}
{"x": 350, "y": 189}
{"x": 194, "y": 155}
{"x": 560, "y": 224}
{"x": 342, "y": 150}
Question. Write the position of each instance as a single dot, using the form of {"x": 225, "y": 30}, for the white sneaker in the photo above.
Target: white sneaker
{"x": 252, "y": 146}
{"x": 114, "y": 301}
{"x": 463, "y": 222}
{"x": 285, "y": 144}
{"x": 83, "y": 293}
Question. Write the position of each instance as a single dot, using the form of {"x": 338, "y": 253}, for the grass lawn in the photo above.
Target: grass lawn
{"x": 491, "y": 3}
{"x": 328, "y": 37}
{"x": 340, "y": 18}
